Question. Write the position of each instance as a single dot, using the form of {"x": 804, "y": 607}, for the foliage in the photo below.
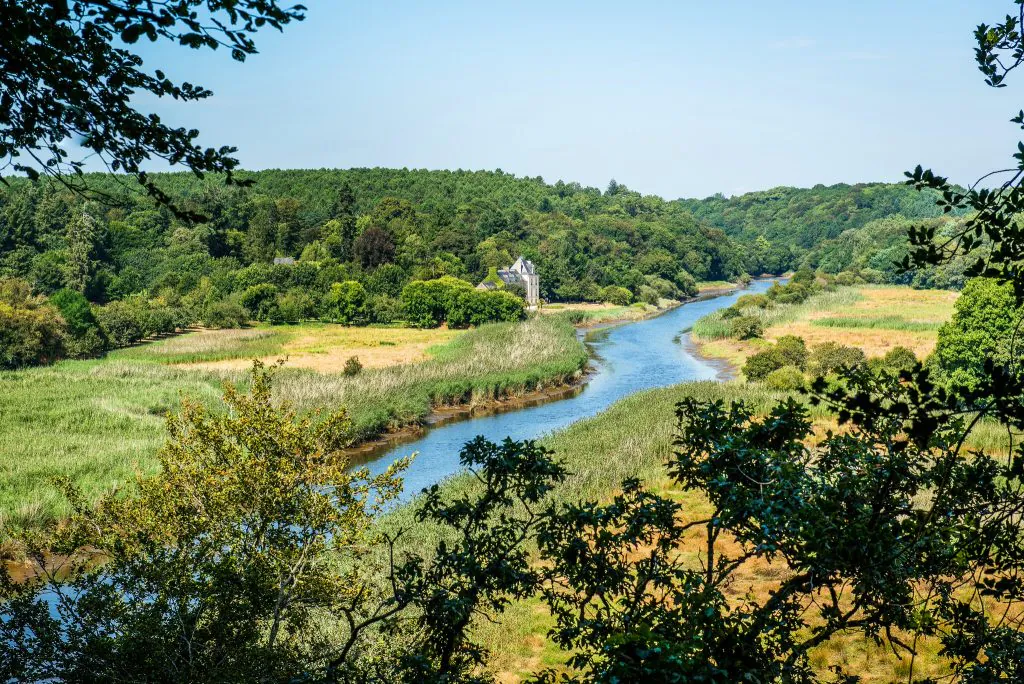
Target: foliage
{"x": 85, "y": 338}
{"x": 616, "y": 295}
{"x": 78, "y": 77}
{"x": 831, "y": 357}
{"x": 344, "y": 303}
{"x": 785, "y": 379}
{"x": 225, "y": 314}
{"x": 790, "y": 351}
{"x": 352, "y": 367}
{"x": 31, "y": 332}
{"x": 261, "y": 302}
{"x": 213, "y": 569}
{"x": 746, "y": 328}
{"x": 120, "y": 323}
{"x": 984, "y": 330}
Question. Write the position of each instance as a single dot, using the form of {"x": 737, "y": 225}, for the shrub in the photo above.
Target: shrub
{"x": 345, "y": 303}
{"x": 613, "y": 294}
{"x": 899, "y": 359}
{"x": 753, "y": 300}
{"x": 791, "y": 351}
{"x": 785, "y": 379}
{"x": 731, "y": 312}
{"x": 746, "y": 328}
{"x": 383, "y": 309}
{"x": 686, "y": 283}
{"x": 260, "y": 301}
{"x": 760, "y": 365}
{"x": 295, "y": 305}
{"x": 225, "y": 314}
{"x": 352, "y": 366}
{"x": 421, "y": 305}
{"x": 121, "y": 323}
{"x": 828, "y": 357}
{"x": 648, "y": 295}
{"x": 84, "y": 336}
{"x": 428, "y": 302}
{"x": 31, "y": 332}
{"x": 476, "y": 307}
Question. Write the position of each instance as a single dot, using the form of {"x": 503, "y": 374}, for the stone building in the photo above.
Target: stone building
{"x": 523, "y": 274}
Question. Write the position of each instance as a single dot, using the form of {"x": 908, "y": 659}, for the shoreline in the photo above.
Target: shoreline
{"x": 366, "y": 450}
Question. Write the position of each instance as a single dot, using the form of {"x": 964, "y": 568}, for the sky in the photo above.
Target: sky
{"x": 678, "y": 99}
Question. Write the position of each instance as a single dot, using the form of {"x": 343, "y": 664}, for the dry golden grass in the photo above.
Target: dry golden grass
{"x": 326, "y": 348}
{"x": 883, "y": 317}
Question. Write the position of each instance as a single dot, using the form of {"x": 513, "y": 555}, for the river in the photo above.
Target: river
{"x": 627, "y": 358}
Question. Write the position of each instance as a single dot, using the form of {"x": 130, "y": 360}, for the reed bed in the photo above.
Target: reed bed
{"x": 209, "y": 345}
{"x": 101, "y": 421}
{"x": 715, "y": 326}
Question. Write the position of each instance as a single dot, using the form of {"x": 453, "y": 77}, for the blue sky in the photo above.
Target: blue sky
{"x": 680, "y": 99}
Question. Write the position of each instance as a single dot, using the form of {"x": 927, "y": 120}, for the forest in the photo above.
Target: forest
{"x": 119, "y": 268}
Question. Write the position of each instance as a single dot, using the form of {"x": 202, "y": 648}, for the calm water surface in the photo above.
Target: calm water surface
{"x": 628, "y": 358}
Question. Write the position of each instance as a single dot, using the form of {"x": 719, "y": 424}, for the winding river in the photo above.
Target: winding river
{"x": 628, "y": 358}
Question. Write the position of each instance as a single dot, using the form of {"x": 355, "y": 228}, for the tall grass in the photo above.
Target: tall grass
{"x": 715, "y": 326}
{"x": 101, "y": 421}
{"x": 877, "y": 323}
{"x": 208, "y": 345}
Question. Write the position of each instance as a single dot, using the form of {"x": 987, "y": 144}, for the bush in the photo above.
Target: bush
{"x": 791, "y": 351}
{"x": 383, "y": 309}
{"x": 353, "y": 367}
{"x": 785, "y": 379}
{"x": 260, "y": 301}
{"x": 731, "y": 312}
{"x": 686, "y": 283}
{"x": 428, "y": 302}
{"x": 225, "y": 314}
{"x": 476, "y": 307}
{"x": 613, "y": 294}
{"x": 746, "y": 328}
{"x": 295, "y": 305}
{"x": 31, "y": 332}
{"x": 829, "y": 357}
{"x": 899, "y": 359}
{"x": 760, "y": 365}
{"x": 648, "y": 295}
{"x": 122, "y": 323}
{"x": 753, "y": 300}
{"x": 84, "y": 336}
{"x": 345, "y": 303}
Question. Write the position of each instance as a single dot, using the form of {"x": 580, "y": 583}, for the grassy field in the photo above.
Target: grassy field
{"x": 633, "y": 438}
{"x": 586, "y": 313}
{"x": 875, "y": 318}
{"x": 101, "y": 421}
{"x": 322, "y": 347}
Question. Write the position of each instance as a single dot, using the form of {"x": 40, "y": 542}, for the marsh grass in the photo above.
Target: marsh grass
{"x": 210, "y": 345}
{"x": 633, "y": 438}
{"x": 101, "y": 421}
{"x": 715, "y": 326}
{"x": 896, "y": 323}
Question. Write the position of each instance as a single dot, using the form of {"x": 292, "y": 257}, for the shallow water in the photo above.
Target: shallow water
{"x": 628, "y": 358}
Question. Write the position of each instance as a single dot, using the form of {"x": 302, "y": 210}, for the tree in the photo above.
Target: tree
{"x": 214, "y": 569}
{"x": 374, "y": 247}
{"x": 77, "y": 77}
{"x": 81, "y": 241}
{"x": 983, "y": 329}
{"x": 84, "y": 334}
{"x": 345, "y": 303}
{"x": 31, "y": 332}
{"x": 260, "y": 301}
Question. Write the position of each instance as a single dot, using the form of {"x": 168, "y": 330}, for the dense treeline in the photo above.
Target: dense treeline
{"x": 355, "y": 240}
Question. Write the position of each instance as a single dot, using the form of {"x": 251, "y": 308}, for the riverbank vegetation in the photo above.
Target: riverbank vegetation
{"x": 97, "y": 422}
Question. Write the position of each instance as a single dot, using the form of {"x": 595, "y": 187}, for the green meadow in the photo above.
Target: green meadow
{"x": 101, "y": 421}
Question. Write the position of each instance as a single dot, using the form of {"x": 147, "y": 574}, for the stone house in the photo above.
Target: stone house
{"x": 521, "y": 273}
